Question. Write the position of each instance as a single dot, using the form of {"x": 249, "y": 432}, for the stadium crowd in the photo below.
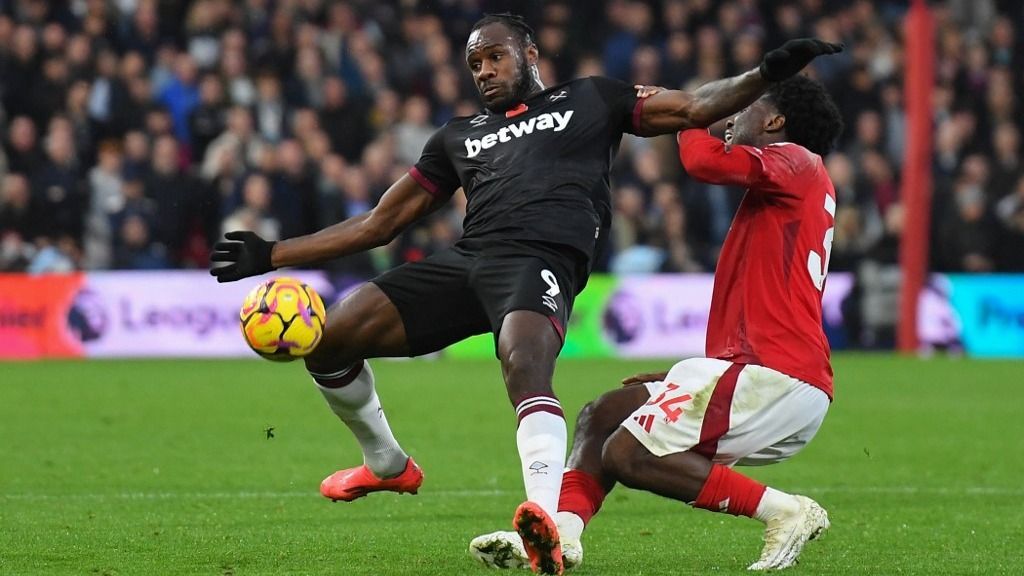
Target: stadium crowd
{"x": 135, "y": 132}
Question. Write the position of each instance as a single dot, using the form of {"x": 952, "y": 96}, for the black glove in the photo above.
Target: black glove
{"x": 248, "y": 254}
{"x": 793, "y": 56}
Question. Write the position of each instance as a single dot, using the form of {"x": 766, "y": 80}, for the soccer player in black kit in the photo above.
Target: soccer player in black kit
{"x": 534, "y": 165}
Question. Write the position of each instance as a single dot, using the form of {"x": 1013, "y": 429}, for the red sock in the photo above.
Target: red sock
{"x": 581, "y": 494}
{"x": 730, "y": 492}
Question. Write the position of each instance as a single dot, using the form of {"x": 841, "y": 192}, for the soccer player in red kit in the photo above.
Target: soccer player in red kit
{"x": 765, "y": 386}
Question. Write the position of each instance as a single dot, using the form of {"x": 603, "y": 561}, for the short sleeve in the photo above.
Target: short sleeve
{"x": 434, "y": 170}
{"x": 622, "y": 102}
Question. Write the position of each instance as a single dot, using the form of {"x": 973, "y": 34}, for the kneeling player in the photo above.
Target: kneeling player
{"x": 765, "y": 387}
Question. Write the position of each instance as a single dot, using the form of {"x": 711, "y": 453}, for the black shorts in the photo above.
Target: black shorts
{"x": 470, "y": 288}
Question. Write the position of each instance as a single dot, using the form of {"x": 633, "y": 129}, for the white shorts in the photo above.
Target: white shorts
{"x": 731, "y": 413}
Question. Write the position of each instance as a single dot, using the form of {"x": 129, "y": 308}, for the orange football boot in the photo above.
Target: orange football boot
{"x": 352, "y": 483}
{"x": 540, "y": 538}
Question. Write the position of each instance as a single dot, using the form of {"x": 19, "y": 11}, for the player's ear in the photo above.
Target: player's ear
{"x": 774, "y": 122}
{"x": 532, "y": 54}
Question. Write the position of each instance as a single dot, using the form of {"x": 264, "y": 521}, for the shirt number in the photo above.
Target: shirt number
{"x": 670, "y": 406}
{"x": 817, "y": 266}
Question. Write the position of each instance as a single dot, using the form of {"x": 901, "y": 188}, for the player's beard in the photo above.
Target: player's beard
{"x": 524, "y": 86}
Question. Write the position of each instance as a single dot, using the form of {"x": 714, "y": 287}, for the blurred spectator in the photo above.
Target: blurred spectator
{"x": 181, "y": 94}
{"x": 344, "y": 119}
{"x": 254, "y": 213}
{"x": 174, "y": 196}
{"x": 412, "y": 133}
{"x": 871, "y": 309}
{"x": 966, "y": 227}
{"x": 1006, "y": 161}
{"x": 16, "y": 208}
{"x": 1010, "y": 211}
{"x": 269, "y": 107}
{"x": 106, "y": 198}
{"x": 235, "y": 150}
{"x": 58, "y": 194}
{"x": 135, "y": 250}
{"x": 207, "y": 120}
{"x": 294, "y": 191}
{"x": 21, "y": 147}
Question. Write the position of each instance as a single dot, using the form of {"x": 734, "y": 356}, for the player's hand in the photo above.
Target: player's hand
{"x": 247, "y": 254}
{"x": 643, "y": 91}
{"x": 638, "y": 379}
{"x": 793, "y": 56}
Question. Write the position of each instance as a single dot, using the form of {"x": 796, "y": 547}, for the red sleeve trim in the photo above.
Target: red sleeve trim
{"x": 425, "y": 182}
{"x": 638, "y": 109}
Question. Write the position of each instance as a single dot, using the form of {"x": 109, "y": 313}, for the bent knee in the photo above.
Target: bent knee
{"x": 609, "y": 410}
{"x": 623, "y": 457}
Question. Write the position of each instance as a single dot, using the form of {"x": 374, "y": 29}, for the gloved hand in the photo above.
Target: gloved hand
{"x": 248, "y": 254}
{"x": 793, "y": 56}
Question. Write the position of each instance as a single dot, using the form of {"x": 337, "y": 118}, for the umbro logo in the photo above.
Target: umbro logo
{"x": 538, "y": 468}
{"x": 559, "y": 96}
{"x": 479, "y": 120}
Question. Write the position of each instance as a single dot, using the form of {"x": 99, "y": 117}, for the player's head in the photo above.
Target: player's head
{"x": 797, "y": 110}
{"x": 502, "y": 57}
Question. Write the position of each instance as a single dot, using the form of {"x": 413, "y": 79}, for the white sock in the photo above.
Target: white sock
{"x": 774, "y": 503}
{"x": 541, "y": 439}
{"x": 357, "y": 405}
{"x": 570, "y": 526}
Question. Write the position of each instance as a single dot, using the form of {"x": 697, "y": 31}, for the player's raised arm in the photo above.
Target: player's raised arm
{"x": 711, "y": 160}
{"x": 673, "y": 110}
{"x": 249, "y": 255}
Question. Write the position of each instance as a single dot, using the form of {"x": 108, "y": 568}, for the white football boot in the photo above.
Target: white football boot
{"x": 504, "y": 549}
{"x": 786, "y": 534}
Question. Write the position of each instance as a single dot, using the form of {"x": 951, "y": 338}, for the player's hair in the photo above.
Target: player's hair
{"x": 812, "y": 118}
{"x": 513, "y": 22}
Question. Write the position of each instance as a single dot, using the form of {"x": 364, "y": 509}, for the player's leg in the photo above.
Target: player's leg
{"x": 692, "y": 478}
{"x": 365, "y": 324}
{"x": 709, "y": 415}
{"x": 527, "y": 347}
{"x": 527, "y": 292}
{"x": 411, "y": 310}
{"x": 584, "y": 484}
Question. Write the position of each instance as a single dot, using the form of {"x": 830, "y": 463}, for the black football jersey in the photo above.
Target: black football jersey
{"x": 539, "y": 173}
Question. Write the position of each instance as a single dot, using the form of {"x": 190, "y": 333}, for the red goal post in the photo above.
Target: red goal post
{"x": 916, "y": 189}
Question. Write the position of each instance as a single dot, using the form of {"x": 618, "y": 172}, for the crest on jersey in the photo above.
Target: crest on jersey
{"x": 478, "y": 120}
{"x": 558, "y": 96}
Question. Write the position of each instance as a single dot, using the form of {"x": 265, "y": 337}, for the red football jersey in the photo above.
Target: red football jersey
{"x": 766, "y": 304}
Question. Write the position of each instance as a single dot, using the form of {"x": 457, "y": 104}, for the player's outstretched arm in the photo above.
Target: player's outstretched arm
{"x": 249, "y": 255}
{"x": 674, "y": 110}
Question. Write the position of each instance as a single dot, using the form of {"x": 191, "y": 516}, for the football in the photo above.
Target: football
{"x": 283, "y": 319}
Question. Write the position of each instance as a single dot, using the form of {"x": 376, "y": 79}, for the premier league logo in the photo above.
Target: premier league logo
{"x": 623, "y": 318}
{"x": 87, "y": 317}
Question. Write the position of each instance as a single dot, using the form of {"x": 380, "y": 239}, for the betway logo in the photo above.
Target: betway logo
{"x": 555, "y": 120}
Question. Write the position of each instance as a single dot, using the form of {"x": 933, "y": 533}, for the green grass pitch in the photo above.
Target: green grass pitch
{"x": 164, "y": 467}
